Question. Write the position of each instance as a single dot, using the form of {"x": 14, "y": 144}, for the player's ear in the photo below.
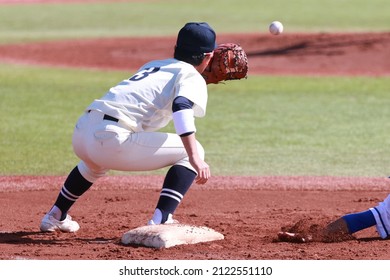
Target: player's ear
{"x": 205, "y": 62}
{"x": 210, "y": 54}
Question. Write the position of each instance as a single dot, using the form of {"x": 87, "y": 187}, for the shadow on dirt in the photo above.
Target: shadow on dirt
{"x": 37, "y": 237}
{"x": 318, "y": 47}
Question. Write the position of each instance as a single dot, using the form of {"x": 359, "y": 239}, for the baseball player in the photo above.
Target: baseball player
{"x": 119, "y": 131}
{"x": 346, "y": 225}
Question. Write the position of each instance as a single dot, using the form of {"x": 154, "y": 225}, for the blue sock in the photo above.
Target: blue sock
{"x": 359, "y": 221}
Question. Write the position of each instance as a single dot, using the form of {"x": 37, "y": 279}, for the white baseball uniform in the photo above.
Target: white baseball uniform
{"x": 119, "y": 130}
{"x": 382, "y": 217}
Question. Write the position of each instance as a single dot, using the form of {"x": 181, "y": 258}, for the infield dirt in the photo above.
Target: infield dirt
{"x": 249, "y": 211}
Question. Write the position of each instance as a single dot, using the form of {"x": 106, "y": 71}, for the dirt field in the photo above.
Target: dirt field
{"x": 249, "y": 211}
{"x": 291, "y": 54}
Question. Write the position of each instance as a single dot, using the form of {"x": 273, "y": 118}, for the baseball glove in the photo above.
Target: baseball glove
{"x": 229, "y": 62}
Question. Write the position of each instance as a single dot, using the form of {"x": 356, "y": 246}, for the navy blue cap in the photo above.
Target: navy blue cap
{"x": 196, "y": 37}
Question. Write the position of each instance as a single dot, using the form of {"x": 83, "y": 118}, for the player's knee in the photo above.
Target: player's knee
{"x": 89, "y": 173}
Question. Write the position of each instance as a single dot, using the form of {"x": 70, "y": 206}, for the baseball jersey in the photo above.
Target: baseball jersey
{"x": 144, "y": 101}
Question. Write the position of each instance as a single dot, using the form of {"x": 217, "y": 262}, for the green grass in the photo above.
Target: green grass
{"x": 26, "y": 22}
{"x": 39, "y": 108}
{"x": 259, "y": 126}
{"x": 300, "y": 126}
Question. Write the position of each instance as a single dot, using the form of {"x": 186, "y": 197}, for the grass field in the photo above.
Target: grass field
{"x": 262, "y": 126}
{"x": 52, "y": 21}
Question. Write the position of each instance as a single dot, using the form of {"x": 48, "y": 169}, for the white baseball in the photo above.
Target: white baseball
{"x": 276, "y": 27}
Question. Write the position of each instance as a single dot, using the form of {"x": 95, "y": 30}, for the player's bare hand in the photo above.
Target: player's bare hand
{"x": 203, "y": 171}
{"x": 203, "y": 177}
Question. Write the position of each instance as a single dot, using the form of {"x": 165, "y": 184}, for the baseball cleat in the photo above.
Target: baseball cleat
{"x": 50, "y": 224}
{"x": 170, "y": 220}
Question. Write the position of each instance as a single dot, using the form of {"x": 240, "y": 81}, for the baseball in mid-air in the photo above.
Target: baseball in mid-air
{"x": 276, "y": 27}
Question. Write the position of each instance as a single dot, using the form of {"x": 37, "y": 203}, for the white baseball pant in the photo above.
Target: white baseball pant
{"x": 103, "y": 145}
{"x": 382, "y": 217}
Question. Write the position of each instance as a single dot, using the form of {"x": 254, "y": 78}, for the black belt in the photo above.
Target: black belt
{"x": 109, "y": 118}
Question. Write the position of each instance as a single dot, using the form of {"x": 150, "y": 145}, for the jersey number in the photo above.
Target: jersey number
{"x": 144, "y": 73}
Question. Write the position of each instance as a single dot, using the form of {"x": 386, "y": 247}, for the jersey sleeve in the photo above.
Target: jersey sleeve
{"x": 194, "y": 88}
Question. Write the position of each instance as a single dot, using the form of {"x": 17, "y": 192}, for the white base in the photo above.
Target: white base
{"x": 169, "y": 235}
